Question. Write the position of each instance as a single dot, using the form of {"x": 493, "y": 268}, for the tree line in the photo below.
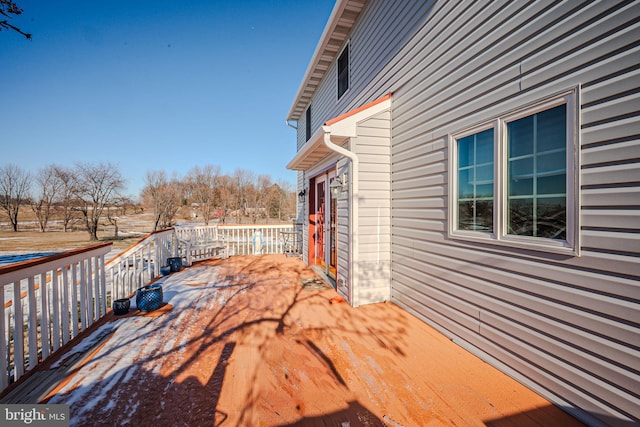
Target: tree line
{"x": 91, "y": 192}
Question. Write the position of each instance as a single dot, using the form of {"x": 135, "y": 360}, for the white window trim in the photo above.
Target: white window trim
{"x": 570, "y": 246}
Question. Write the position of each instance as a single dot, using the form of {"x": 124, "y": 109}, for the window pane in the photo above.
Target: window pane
{"x": 537, "y": 174}
{"x": 551, "y": 128}
{"x": 521, "y": 137}
{"x": 465, "y": 215}
{"x": 484, "y": 147}
{"x": 521, "y": 177}
{"x": 465, "y": 151}
{"x": 484, "y": 215}
{"x": 465, "y": 184}
{"x": 343, "y": 72}
{"x": 521, "y": 217}
{"x": 551, "y": 218}
{"x": 475, "y": 181}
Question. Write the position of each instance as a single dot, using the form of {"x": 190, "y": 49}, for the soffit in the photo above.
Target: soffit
{"x": 343, "y": 17}
{"x": 341, "y": 128}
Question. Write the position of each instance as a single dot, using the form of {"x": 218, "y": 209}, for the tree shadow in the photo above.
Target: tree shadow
{"x": 252, "y": 316}
{"x": 247, "y": 344}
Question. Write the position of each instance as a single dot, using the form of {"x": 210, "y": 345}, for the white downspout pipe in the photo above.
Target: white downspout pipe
{"x": 353, "y": 211}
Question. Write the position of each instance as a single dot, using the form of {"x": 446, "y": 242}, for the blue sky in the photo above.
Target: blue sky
{"x": 151, "y": 85}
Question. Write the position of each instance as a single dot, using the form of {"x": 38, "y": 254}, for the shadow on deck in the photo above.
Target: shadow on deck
{"x": 247, "y": 341}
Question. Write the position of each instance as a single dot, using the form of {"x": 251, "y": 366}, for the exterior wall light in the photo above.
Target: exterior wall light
{"x": 301, "y": 195}
{"x": 337, "y": 186}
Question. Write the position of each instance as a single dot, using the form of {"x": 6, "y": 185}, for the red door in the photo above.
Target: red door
{"x": 321, "y": 185}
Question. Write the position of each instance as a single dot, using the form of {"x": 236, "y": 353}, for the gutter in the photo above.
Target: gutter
{"x": 353, "y": 211}
{"x": 290, "y": 125}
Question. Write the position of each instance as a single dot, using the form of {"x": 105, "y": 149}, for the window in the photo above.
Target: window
{"x": 475, "y": 181}
{"x": 513, "y": 179}
{"x": 536, "y": 174}
{"x": 343, "y": 72}
{"x": 307, "y": 123}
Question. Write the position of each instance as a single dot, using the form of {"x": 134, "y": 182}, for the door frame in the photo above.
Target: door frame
{"x": 321, "y": 209}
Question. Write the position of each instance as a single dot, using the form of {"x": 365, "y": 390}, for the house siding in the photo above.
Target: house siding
{"x": 373, "y": 147}
{"x": 567, "y": 326}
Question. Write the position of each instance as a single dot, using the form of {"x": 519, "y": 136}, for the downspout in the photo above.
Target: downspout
{"x": 353, "y": 217}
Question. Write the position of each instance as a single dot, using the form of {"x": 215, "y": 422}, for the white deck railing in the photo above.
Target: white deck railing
{"x": 257, "y": 239}
{"x": 57, "y": 297}
{"x": 140, "y": 263}
{"x": 46, "y": 302}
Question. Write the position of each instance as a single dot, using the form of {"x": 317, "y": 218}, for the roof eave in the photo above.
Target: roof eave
{"x": 342, "y": 19}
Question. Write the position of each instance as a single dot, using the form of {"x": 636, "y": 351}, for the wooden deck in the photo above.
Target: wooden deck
{"x": 255, "y": 341}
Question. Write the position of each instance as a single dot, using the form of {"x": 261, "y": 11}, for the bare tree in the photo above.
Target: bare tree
{"x": 278, "y": 199}
{"x": 8, "y": 8}
{"x": 202, "y": 183}
{"x": 257, "y": 196}
{"x": 163, "y": 196}
{"x": 96, "y": 186}
{"x": 66, "y": 195}
{"x": 14, "y": 190}
{"x": 48, "y": 186}
{"x": 224, "y": 196}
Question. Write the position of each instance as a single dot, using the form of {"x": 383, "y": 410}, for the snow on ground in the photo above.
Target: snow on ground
{"x": 140, "y": 345}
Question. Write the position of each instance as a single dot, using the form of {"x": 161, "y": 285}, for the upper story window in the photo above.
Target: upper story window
{"x": 343, "y": 72}
{"x": 307, "y": 123}
{"x": 514, "y": 180}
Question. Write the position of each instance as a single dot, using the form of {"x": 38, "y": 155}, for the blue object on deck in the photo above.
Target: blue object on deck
{"x": 175, "y": 263}
{"x": 149, "y": 298}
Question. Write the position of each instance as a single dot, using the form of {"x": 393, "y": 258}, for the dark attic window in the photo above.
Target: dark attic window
{"x": 307, "y": 123}
{"x": 343, "y": 72}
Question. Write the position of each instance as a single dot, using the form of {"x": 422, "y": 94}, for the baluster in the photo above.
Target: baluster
{"x": 74, "y": 297}
{"x": 32, "y": 325}
{"x": 44, "y": 317}
{"x": 83, "y": 294}
{"x": 18, "y": 332}
{"x": 65, "y": 304}
{"x": 4, "y": 353}
{"x": 103, "y": 284}
{"x": 55, "y": 305}
{"x": 89, "y": 288}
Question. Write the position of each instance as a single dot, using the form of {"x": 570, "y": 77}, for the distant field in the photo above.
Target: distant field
{"x": 29, "y": 239}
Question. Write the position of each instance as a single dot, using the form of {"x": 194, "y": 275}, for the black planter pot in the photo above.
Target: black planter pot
{"x": 121, "y": 306}
{"x": 175, "y": 263}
